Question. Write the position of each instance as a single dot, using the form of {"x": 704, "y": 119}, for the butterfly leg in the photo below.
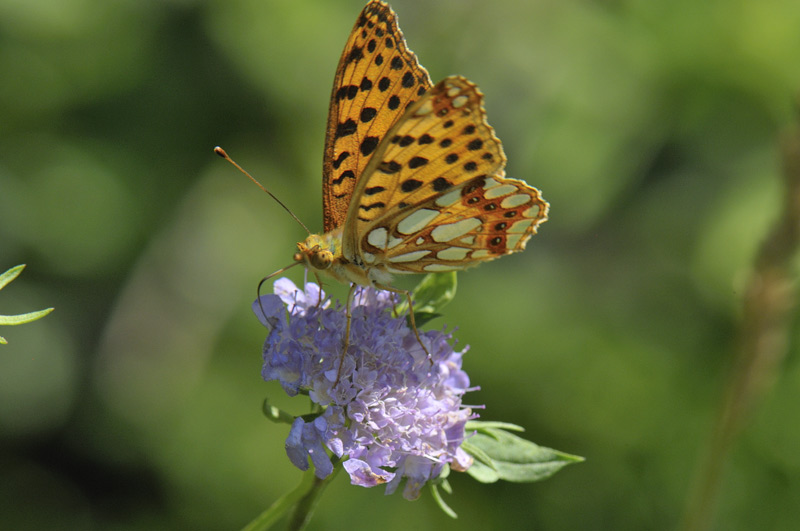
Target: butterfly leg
{"x": 410, "y": 315}
{"x": 319, "y": 283}
{"x": 346, "y": 345}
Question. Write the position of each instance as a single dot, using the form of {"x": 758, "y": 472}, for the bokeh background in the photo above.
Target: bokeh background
{"x": 650, "y": 125}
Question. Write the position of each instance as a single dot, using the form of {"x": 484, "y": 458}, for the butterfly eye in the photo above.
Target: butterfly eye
{"x": 321, "y": 259}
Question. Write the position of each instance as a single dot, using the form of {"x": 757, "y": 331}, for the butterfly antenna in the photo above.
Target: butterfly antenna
{"x": 261, "y": 283}
{"x": 221, "y": 152}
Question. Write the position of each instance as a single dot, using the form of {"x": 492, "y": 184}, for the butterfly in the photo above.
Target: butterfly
{"x": 413, "y": 176}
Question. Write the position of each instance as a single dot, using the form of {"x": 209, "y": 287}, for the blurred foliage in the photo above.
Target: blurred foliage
{"x": 650, "y": 125}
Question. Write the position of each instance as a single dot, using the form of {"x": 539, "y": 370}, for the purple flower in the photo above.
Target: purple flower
{"x": 394, "y": 413}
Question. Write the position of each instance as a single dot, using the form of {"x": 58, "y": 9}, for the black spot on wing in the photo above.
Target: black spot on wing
{"x": 416, "y": 162}
{"x": 475, "y": 144}
{"x": 369, "y": 144}
{"x": 374, "y": 190}
{"x": 370, "y": 206}
{"x": 346, "y": 128}
{"x": 348, "y": 174}
{"x": 440, "y": 184}
{"x": 368, "y": 113}
{"x": 409, "y": 185}
{"x": 389, "y": 167}
{"x": 338, "y": 162}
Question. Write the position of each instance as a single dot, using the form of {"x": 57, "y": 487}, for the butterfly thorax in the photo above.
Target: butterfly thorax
{"x": 323, "y": 254}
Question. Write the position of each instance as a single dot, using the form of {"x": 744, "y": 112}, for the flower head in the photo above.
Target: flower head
{"x": 393, "y": 414}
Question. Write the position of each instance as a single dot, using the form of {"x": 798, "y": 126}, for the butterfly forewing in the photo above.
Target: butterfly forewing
{"x": 434, "y": 197}
{"x": 377, "y": 78}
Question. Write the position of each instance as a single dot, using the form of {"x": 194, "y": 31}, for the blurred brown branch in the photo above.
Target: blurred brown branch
{"x": 768, "y": 304}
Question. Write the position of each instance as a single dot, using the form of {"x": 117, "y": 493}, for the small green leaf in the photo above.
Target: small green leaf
{"x": 477, "y": 453}
{"x": 420, "y": 318}
{"x": 11, "y": 320}
{"x": 275, "y": 414}
{"x": 483, "y": 473}
{"x": 23, "y": 318}
{"x": 442, "y": 505}
{"x": 446, "y": 486}
{"x": 485, "y": 425}
{"x": 434, "y": 292}
{"x": 516, "y": 459}
{"x": 10, "y": 275}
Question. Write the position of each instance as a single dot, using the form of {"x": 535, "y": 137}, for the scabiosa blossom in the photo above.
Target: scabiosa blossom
{"x": 393, "y": 414}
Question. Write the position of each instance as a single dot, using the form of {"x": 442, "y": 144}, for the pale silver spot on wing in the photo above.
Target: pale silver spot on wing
{"x": 515, "y": 200}
{"x": 453, "y": 91}
{"x": 393, "y": 242}
{"x": 449, "y": 199}
{"x": 513, "y": 239}
{"x": 420, "y": 240}
{"x": 416, "y": 221}
{"x": 499, "y": 191}
{"x": 532, "y": 212}
{"x": 409, "y": 257}
{"x": 425, "y": 108}
{"x": 377, "y": 237}
{"x": 520, "y": 227}
{"x": 435, "y": 268}
{"x": 452, "y": 253}
{"x": 480, "y": 253}
{"x": 490, "y": 183}
{"x": 369, "y": 258}
{"x": 460, "y": 101}
{"x": 469, "y": 240}
{"x": 445, "y": 233}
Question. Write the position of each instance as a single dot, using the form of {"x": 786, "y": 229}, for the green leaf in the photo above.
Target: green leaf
{"x": 23, "y": 318}
{"x": 483, "y": 473}
{"x": 440, "y": 502}
{"x": 514, "y": 458}
{"x": 10, "y": 275}
{"x": 486, "y": 425}
{"x": 434, "y": 292}
{"x": 10, "y": 320}
{"x": 445, "y": 485}
{"x": 477, "y": 453}
{"x": 421, "y": 318}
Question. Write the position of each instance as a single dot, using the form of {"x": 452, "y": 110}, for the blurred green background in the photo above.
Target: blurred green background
{"x": 651, "y": 126}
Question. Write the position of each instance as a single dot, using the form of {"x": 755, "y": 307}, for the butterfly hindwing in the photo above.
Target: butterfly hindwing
{"x": 434, "y": 197}
{"x": 377, "y": 78}
{"x": 483, "y": 219}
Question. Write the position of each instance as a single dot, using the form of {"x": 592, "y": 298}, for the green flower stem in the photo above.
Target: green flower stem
{"x": 304, "y": 508}
{"x": 303, "y": 498}
{"x": 768, "y": 305}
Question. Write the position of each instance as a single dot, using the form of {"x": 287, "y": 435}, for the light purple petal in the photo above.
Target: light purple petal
{"x": 364, "y": 475}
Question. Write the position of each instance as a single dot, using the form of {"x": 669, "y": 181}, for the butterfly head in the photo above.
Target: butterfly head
{"x": 315, "y": 252}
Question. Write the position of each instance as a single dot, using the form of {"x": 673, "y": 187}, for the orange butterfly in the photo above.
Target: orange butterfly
{"x": 413, "y": 178}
